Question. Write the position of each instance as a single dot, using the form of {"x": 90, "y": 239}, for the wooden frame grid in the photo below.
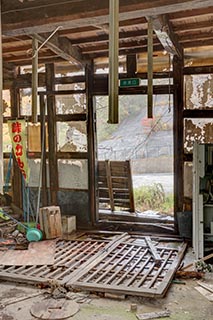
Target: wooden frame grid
{"x": 121, "y": 265}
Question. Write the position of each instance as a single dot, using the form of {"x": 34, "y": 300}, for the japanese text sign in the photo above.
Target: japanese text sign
{"x": 17, "y": 131}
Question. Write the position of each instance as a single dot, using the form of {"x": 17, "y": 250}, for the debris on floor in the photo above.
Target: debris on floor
{"x": 51, "y": 309}
{"x": 153, "y": 315}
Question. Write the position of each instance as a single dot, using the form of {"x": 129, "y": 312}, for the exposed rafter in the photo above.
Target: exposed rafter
{"x": 163, "y": 29}
{"x": 62, "y": 47}
{"x": 20, "y": 19}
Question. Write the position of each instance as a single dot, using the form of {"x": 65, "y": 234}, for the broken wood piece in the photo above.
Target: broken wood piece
{"x": 208, "y": 295}
{"x": 109, "y": 295}
{"x": 153, "y": 315}
{"x": 189, "y": 274}
{"x": 202, "y": 259}
{"x": 206, "y": 286}
{"x": 154, "y": 252}
{"x": 21, "y": 299}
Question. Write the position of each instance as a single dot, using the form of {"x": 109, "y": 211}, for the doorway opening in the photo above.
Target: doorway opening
{"x": 147, "y": 144}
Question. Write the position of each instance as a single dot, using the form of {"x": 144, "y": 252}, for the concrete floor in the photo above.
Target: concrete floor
{"x": 184, "y": 302}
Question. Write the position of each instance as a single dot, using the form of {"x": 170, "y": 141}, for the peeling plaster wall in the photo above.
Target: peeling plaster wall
{"x": 199, "y": 91}
{"x": 200, "y": 130}
{"x": 198, "y": 95}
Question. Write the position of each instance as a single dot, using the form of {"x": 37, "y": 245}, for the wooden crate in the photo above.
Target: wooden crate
{"x": 50, "y": 221}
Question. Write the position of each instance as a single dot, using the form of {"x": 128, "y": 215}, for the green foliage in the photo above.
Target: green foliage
{"x": 154, "y": 198}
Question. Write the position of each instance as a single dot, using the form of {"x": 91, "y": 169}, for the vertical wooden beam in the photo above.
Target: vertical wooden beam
{"x": 1, "y": 113}
{"x": 17, "y": 176}
{"x": 34, "y": 79}
{"x": 109, "y": 184}
{"x": 52, "y": 136}
{"x": 44, "y": 167}
{"x": 92, "y": 146}
{"x": 150, "y": 68}
{"x": 130, "y": 186}
{"x": 131, "y": 65}
{"x": 178, "y": 136}
{"x": 113, "y": 60}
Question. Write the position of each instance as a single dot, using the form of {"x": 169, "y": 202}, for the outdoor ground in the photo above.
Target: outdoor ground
{"x": 184, "y": 302}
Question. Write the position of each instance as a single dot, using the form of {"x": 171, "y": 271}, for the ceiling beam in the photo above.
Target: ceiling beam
{"x": 62, "y": 47}
{"x": 105, "y": 37}
{"x": 198, "y": 25}
{"x": 163, "y": 30}
{"x": 35, "y": 17}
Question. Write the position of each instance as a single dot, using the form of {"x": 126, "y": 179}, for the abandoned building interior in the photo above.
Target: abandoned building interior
{"x": 94, "y": 95}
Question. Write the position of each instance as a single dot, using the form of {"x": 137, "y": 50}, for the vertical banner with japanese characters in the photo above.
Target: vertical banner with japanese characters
{"x": 17, "y": 131}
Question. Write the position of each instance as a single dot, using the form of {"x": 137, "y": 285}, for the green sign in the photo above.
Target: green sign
{"x": 131, "y": 82}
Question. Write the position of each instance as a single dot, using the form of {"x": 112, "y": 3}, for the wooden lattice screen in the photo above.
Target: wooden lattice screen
{"x": 115, "y": 185}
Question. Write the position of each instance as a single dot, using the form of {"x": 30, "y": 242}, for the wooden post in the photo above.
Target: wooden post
{"x": 150, "y": 68}
{"x": 178, "y": 136}
{"x": 131, "y": 65}
{"x": 1, "y": 113}
{"x": 109, "y": 184}
{"x": 44, "y": 167}
{"x": 113, "y": 60}
{"x": 17, "y": 176}
{"x": 92, "y": 146}
{"x": 52, "y": 139}
{"x": 34, "y": 79}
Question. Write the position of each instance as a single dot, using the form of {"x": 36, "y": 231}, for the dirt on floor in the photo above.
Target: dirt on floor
{"x": 182, "y": 300}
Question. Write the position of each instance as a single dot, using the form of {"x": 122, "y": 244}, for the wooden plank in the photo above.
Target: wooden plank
{"x": 205, "y": 293}
{"x": 154, "y": 252}
{"x": 207, "y": 286}
{"x": 153, "y": 315}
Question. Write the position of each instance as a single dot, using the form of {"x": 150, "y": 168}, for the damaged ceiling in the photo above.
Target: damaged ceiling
{"x": 181, "y": 27}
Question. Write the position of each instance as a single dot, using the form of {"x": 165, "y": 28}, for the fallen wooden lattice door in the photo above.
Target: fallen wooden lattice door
{"x": 69, "y": 255}
{"x": 128, "y": 267}
{"x": 122, "y": 265}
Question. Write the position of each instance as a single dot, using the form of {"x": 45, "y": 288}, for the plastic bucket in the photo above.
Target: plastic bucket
{"x": 34, "y": 234}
